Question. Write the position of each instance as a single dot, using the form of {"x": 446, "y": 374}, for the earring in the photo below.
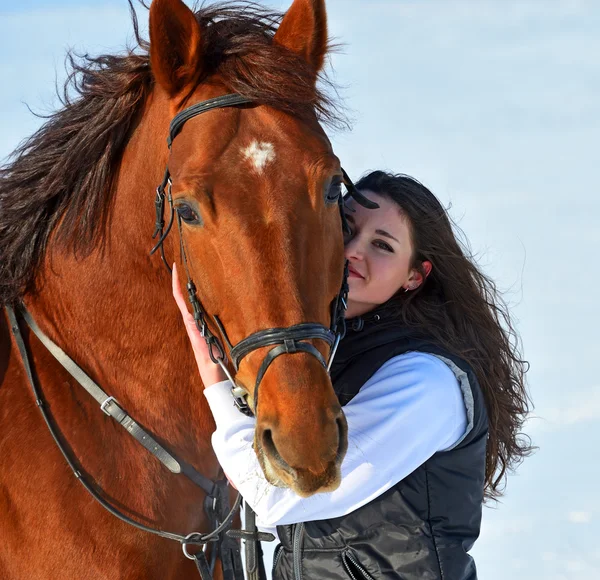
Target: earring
{"x": 407, "y": 289}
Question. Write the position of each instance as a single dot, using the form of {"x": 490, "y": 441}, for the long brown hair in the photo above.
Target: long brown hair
{"x": 462, "y": 310}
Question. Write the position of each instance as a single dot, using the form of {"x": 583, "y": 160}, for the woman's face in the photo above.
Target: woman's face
{"x": 379, "y": 251}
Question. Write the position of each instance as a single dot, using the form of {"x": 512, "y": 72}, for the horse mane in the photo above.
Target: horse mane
{"x": 63, "y": 176}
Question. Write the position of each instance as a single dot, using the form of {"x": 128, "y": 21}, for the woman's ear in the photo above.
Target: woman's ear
{"x": 427, "y": 267}
{"x": 418, "y": 276}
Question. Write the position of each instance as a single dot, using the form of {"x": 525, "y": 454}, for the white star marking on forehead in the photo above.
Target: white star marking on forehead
{"x": 259, "y": 154}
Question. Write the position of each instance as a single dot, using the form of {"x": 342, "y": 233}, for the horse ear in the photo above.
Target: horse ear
{"x": 175, "y": 45}
{"x": 303, "y": 30}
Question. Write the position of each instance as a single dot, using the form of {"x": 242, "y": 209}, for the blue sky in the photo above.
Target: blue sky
{"x": 495, "y": 105}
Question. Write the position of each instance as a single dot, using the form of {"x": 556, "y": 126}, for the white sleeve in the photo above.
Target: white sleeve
{"x": 411, "y": 408}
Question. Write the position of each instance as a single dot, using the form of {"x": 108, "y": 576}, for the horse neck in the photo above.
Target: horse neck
{"x": 113, "y": 312}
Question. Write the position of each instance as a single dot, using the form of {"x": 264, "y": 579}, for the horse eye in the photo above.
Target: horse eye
{"x": 334, "y": 192}
{"x": 187, "y": 214}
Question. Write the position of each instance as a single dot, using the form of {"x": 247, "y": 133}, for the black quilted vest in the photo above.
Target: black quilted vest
{"x": 424, "y": 526}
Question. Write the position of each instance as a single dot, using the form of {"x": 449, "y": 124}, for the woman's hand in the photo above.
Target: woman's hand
{"x": 210, "y": 373}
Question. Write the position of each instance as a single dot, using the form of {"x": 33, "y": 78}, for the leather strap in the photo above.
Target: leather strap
{"x": 202, "y": 565}
{"x": 290, "y": 346}
{"x": 272, "y": 336}
{"x": 41, "y": 405}
{"x": 113, "y": 409}
{"x": 255, "y": 569}
{"x": 251, "y": 546}
{"x": 357, "y": 195}
{"x": 217, "y": 498}
{"x": 221, "y": 102}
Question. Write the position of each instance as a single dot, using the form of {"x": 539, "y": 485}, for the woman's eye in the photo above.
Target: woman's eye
{"x": 334, "y": 192}
{"x": 384, "y": 246}
{"x": 187, "y": 214}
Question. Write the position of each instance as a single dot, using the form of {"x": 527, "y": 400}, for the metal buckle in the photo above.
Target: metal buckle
{"x": 107, "y": 402}
{"x": 239, "y": 399}
{"x": 188, "y": 540}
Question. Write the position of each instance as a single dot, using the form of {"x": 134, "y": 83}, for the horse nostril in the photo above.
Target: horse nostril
{"x": 268, "y": 444}
{"x": 342, "y": 426}
{"x": 270, "y": 450}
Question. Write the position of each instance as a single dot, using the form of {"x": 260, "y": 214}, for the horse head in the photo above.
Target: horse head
{"x": 255, "y": 189}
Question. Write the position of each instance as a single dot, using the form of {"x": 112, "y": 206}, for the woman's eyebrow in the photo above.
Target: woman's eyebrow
{"x": 386, "y": 235}
{"x": 383, "y": 233}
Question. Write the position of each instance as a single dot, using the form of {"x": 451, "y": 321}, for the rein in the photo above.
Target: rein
{"x": 217, "y": 500}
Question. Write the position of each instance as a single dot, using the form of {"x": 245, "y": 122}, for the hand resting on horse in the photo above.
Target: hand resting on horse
{"x": 210, "y": 373}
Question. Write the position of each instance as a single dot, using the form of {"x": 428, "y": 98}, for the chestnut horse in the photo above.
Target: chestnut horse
{"x": 253, "y": 187}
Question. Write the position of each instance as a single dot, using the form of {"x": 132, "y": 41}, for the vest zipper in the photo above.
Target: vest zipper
{"x": 278, "y": 552}
{"x": 298, "y": 532}
{"x": 352, "y": 576}
{"x": 346, "y": 556}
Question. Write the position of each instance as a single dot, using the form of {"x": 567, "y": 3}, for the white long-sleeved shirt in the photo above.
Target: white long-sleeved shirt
{"x": 411, "y": 408}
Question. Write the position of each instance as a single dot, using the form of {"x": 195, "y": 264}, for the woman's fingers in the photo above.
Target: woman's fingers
{"x": 210, "y": 373}
{"x": 198, "y": 343}
{"x": 178, "y": 295}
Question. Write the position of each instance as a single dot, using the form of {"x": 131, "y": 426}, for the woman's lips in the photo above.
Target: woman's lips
{"x": 352, "y": 273}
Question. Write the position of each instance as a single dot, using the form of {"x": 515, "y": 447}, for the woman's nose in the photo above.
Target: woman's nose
{"x": 353, "y": 249}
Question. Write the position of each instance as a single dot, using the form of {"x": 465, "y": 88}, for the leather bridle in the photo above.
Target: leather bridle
{"x": 283, "y": 340}
{"x": 288, "y": 340}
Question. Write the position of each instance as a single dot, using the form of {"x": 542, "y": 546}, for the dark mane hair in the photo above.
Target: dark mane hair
{"x": 63, "y": 176}
{"x": 462, "y": 310}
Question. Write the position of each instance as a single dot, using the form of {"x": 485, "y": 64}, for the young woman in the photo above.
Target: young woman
{"x": 432, "y": 386}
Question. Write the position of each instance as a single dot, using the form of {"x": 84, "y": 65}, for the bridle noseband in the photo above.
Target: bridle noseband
{"x": 288, "y": 340}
